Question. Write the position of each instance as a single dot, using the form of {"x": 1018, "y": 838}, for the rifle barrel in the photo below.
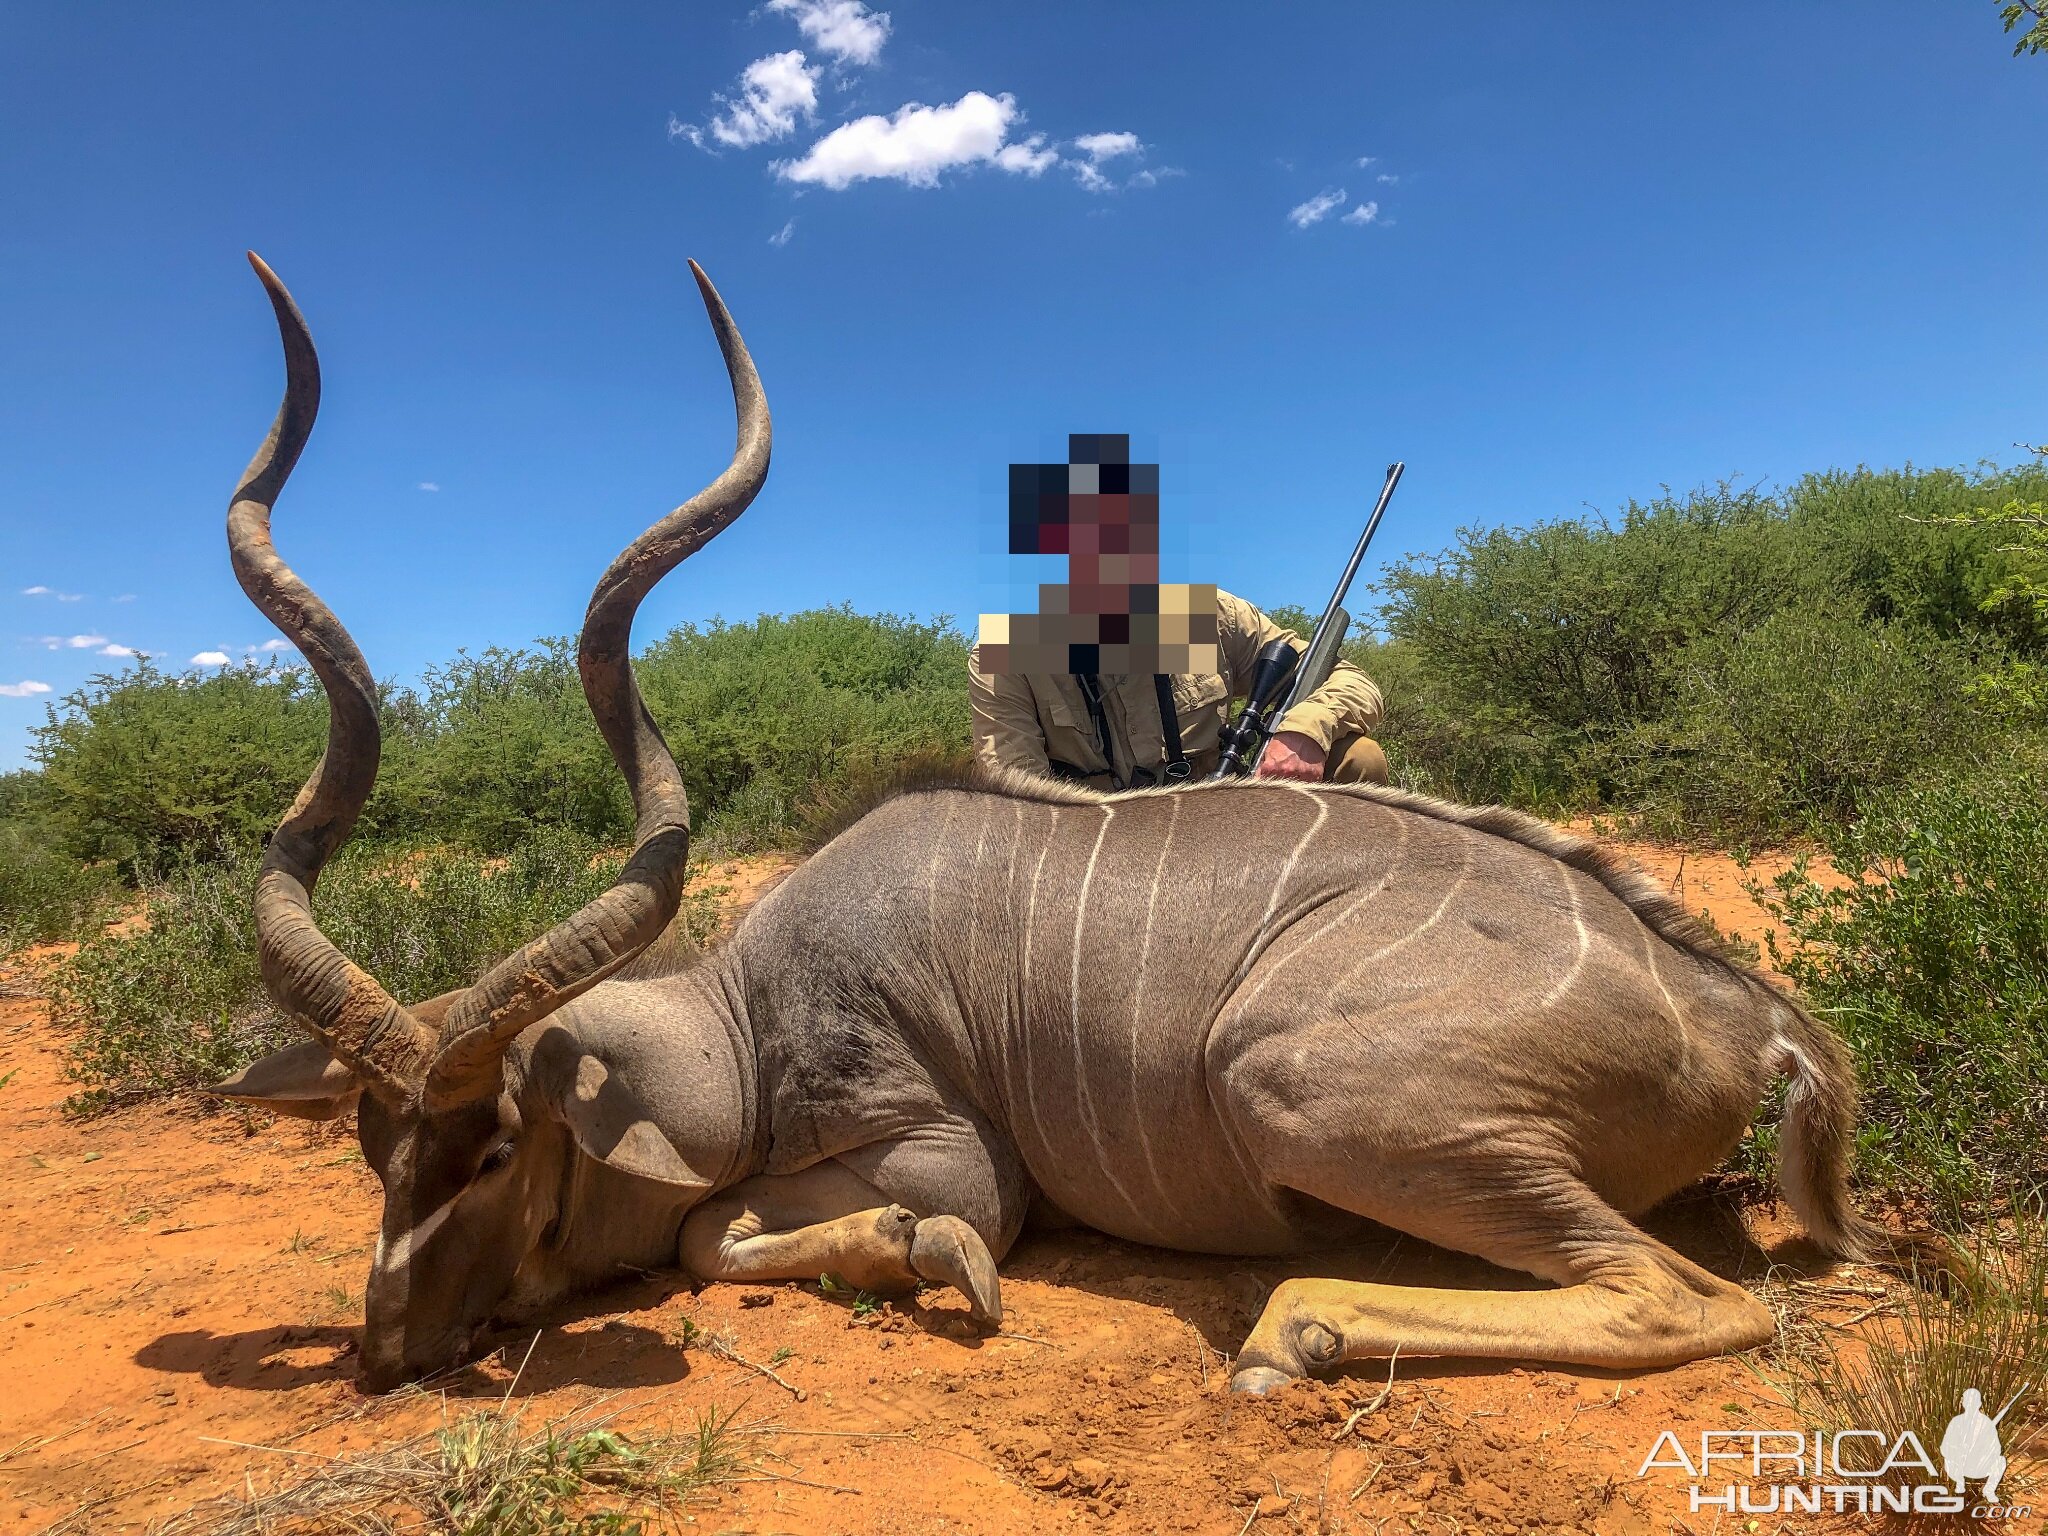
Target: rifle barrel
{"x": 1304, "y": 684}
{"x": 1372, "y": 526}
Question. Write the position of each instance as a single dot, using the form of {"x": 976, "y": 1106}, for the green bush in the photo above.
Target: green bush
{"x": 505, "y": 745}
{"x": 763, "y": 715}
{"x": 178, "y": 1003}
{"x": 147, "y": 767}
{"x": 144, "y": 765}
{"x": 1787, "y": 727}
{"x": 1647, "y": 661}
{"x": 45, "y": 894}
{"x": 1933, "y": 962}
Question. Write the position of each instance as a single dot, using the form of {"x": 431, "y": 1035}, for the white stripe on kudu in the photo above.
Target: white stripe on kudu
{"x": 1369, "y": 894}
{"x": 1257, "y": 947}
{"x": 1138, "y": 991}
{"x": 1585, "y": 941}
{"x": 1082, "y": 1096}
{"x": 395, "y": 1257}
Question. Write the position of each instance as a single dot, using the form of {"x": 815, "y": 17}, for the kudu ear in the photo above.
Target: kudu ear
{"x": 304, "y": 1081}
{"x": 610, "y": 1124}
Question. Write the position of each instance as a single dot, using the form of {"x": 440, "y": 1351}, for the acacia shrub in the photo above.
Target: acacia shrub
{"x": 1580, "y": 663}
{"x": 176, "y": 1002}
{"x": 1933, "y": 963}
{"x": 146, "y": 768}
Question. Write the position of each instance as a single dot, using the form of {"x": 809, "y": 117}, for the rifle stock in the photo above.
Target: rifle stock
{"x": 1323, "y": 649}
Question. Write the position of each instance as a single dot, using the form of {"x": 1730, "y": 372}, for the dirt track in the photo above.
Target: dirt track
{"x": 177, "y": 1289}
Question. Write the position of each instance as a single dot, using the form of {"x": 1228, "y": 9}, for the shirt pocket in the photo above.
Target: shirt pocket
{"x": 1069, "y": 727}
{"x": 1197, "y": 691}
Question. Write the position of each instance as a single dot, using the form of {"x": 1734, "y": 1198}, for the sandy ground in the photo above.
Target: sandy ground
{"x": 180, "y": 1288}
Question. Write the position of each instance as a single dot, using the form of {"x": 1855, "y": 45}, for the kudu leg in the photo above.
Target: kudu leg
{"x": 1626, "y": 1300}
{"x": 827, "y": 1220}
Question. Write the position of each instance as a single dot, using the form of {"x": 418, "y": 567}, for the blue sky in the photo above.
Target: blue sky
{"x": 1609, "y": 248}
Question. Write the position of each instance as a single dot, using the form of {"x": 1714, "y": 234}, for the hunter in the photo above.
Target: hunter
{"x": 1121, "y": 732}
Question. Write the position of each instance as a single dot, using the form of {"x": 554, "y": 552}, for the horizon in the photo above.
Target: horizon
{"x": 1554, "y": 263}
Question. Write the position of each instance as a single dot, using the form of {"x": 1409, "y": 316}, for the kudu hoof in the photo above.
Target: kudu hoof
{"x": 1258, "y": 1379}
{"x": 947, "y": 1250}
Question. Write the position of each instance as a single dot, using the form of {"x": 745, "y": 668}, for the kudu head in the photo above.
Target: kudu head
{"x": 474, "y": 1141}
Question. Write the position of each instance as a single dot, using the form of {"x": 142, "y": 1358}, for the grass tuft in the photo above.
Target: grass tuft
{"x": 486, "y": 1474}
{"x": 1908, "y": 1368}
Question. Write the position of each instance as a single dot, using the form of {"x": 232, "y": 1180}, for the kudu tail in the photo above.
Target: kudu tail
{"x": 1814, "y": 1154}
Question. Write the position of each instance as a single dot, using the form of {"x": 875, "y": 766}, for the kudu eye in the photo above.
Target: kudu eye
{"x": 498, "y": 1157}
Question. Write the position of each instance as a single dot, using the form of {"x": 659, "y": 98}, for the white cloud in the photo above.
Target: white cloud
{"x": 210, "y": 659}
{"x": 118, "y": 650}
{"x": 22, "y": 690}
{"x": 1030, "y": 157}
{"x": 774, "y": 92}
{"x": 37, "y": 591}
{"x": 42, "y": 591}
{"x": 70, "y": 597}
{"x": 781, "y": 236}
{"x": 1387, "y": 181}
{"x": 1317, "y": 208}
{"x": 85, "y": 642}
{"x": 1096, "y": 148}
{"x": 1364, "y": 213}
{"x": 1107, "y": 146}
{"x": 1365, "y": 160}
{"x": 914, "y": 144}
{"x": 125, "y": 597}
{"x": 1151, "y": 176}
{"x": 429, "y": 485}
{"x": 274, "y": 643}
{"x": 846, "y": 29}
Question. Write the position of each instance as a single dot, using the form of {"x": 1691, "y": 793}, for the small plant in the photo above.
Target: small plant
{"x": 865, "y": 1304}
{"x": 1737, "y": 947}
{"x": 487, "y": 1475}
{"x": 338, "y": 1300}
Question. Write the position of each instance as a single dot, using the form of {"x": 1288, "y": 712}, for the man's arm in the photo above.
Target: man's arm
{"x": 1006, "y": 729}
{"x": 1346, "y": 705}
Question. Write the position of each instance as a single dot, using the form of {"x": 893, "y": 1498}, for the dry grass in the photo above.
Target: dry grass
{"x": 1911, "y": 1353}
{"x": 486, "y": 1474}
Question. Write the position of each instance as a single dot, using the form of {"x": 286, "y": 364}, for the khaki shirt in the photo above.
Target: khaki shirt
{"x": 1027, "y": 721}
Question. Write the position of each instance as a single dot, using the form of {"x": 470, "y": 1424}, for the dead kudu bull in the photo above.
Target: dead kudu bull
{"x": 1237, "y": 1018}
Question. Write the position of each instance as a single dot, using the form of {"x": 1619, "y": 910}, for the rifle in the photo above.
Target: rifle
{"x": 1282, "y": 678}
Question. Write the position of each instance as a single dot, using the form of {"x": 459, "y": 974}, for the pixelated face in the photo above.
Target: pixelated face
{"x": 1113, "y": 616}
{"x": 1099, "y": 505}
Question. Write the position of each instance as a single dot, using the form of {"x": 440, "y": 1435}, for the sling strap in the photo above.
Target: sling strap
{"x": 1177, "y": 766}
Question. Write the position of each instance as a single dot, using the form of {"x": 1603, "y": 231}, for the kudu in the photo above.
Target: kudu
{"x": 1242, "y": 1018}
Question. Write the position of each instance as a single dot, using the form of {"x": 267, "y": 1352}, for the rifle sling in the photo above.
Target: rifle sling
{"x": 1176, "y": 766}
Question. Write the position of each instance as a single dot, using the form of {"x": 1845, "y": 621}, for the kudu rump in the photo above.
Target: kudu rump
{"x": 1241, "y": 1018}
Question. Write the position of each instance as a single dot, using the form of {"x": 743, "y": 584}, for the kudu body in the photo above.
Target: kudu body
{"x": 1241, "y": 1018}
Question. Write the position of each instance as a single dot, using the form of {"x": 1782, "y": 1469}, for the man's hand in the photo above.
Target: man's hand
{"x": 1291, "y": 755}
